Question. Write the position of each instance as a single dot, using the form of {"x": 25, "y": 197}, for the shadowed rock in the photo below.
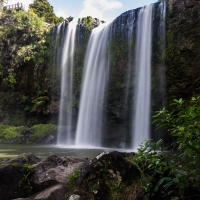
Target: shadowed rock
{"x": 97, "y": 177}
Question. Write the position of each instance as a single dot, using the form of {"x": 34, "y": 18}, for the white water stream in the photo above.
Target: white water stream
{"x": 94, "y": 82}
{"x": 143, "y": 76}
{"x": 67, "y": 69}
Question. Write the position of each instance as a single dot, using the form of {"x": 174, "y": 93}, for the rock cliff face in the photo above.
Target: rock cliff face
{"x": 183, "y": 50}
{"x": 30, "y": 91}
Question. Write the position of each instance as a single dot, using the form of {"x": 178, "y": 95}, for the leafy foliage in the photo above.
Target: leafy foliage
{"x": 27, "y": 177}
{"x": 45, "y": 10}
{"x": 184, "y": 124}
{"x": 71, "y": 182}
{"x": 165, "y": 175}
{"x": 41, "y": 130}
{"x": 89, "y": 21}
{"x": 34, "y": 134}
{"x": 73, "y": 176}
{"x": 24, "y": 65}
{"x": 10, "y": 132}
{"x": 2, "y": 128}
{"x": 40, "y": 101}
{"x": 22, "y": 41}
{"x": 162, "y": 174}
{"x": 155, "y": 170}
{"x": 10, "y": 80}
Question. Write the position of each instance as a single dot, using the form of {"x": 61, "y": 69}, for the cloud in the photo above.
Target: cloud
{"x": 61, "y": 13}
{"x": 109, "y": 5}
{"x": 96, "y": 8}
{"x": 24, "y": 2}
{"x": 90, "y": 10}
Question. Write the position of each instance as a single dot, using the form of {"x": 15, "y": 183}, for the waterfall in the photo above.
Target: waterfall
{"x": 65, "y": 136}
{"x": 112, "y": 88}
{"x": 143, "y": 76}
{"x": 94, "y": 82}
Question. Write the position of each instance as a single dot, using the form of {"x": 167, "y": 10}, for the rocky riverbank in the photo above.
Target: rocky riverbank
{"x": 108, "y": 176}
{"x": 28, "y": 177}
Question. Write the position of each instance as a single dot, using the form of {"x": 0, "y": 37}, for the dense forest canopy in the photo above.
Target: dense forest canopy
{"x": 24, "y": 44}
{"x": 45, "y": 10}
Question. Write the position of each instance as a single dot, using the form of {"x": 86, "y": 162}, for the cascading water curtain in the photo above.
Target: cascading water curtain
{"x": 141, "y": 115}
{"x": 94, "y": 82}
{"x": 65, "y": 136}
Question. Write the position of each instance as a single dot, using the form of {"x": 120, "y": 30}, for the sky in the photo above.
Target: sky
{"x": 106, "y": 10}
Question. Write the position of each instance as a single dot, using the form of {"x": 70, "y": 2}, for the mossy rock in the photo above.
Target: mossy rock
{"x": 106, "y": 176}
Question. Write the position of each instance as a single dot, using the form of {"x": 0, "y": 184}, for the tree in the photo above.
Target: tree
{"x": 22, "y": 43}
{"x": 25, "y": 68}
{"x": 43, "y": 9}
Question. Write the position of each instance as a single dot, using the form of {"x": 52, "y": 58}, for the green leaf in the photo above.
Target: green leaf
{"x": 176, "y": 180}
{"x": 181, "y": 128}
{"x": 168, "y": 185}
{"x": 162, "y": 180}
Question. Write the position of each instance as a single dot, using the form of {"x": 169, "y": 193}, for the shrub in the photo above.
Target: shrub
{"x": 184, "y": 124}
{"x": 10, "y": 132}
{"x": 162, "y": 175}
{"x": 71, "y": 185}
{"x": 155, "y": 170}
{"x": 26, "y": 180}
{"x": 2, "y": 128}
{"x": 41, "y": 130}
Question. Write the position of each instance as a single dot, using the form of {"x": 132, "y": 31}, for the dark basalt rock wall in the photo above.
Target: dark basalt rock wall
{"x": 183, "y": 50}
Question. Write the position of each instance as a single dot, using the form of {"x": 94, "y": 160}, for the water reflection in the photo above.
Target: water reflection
{"x": 13, "y": 150}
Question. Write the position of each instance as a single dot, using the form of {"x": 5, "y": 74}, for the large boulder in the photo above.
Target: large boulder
{"x": 56, "y": 192}
{"x": 11, "y": 174}
{"x": 46, "y": 180}
{"x": 51, "y": 175}
{"x": 98, "y": 177}
{"x": 53, "y": 170}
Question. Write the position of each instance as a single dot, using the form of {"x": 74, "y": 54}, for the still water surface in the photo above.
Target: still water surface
{"x": 13, "y": 150}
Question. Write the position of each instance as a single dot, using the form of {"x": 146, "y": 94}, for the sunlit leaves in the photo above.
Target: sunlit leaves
{"x": 24, "y": 39}
{"x": 44, "y": 10}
